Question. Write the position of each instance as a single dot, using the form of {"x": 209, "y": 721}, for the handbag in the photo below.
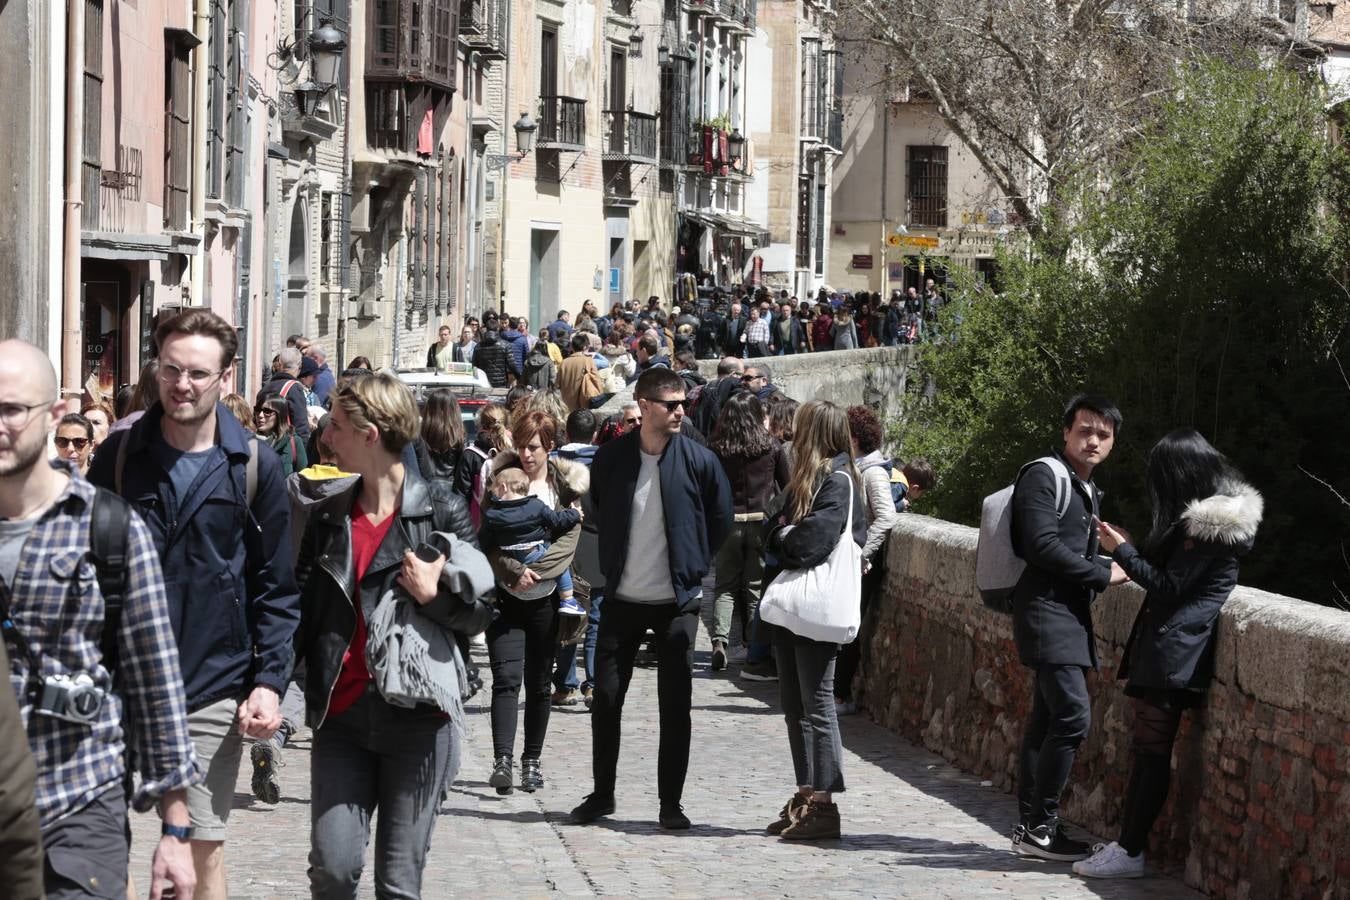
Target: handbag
{"x": 824, "y": 602}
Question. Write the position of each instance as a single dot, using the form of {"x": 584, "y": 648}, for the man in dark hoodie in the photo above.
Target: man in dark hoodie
{"x": 715, "y": 394}
{"x": 517, "y": 343}
{"x": 649, "y": 355}
{"x": 493, "y": 358}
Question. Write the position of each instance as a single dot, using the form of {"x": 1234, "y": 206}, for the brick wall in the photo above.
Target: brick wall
{"x": 1259, "y": 806}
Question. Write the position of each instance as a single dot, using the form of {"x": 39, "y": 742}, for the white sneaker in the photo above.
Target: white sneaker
{"x": 1110, "y": 861}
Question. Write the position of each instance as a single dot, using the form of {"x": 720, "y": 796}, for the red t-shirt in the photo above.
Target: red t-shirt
{"x": 354, "y": 676}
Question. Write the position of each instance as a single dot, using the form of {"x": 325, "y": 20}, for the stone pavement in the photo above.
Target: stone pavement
{"x": 913, "y": 826}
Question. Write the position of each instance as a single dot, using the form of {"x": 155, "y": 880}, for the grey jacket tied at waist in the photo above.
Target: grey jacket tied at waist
{"x": 414, "y": 660}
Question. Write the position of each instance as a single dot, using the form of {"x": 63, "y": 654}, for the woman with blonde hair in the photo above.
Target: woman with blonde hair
{"x": 822, "y": 488}
{"x": 375, "y": 757}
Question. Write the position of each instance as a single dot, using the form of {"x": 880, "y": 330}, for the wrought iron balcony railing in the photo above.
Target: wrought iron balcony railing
{"x": 630, "y": 136}
{"x": 562, "y": 123}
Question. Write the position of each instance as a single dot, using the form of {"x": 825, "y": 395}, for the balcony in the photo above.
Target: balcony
{"x": 710, "y": 151}
{"x": 562, "y": 124}
{"x": 482, "y": 27}
{"x": 704, "y": 7}
{"x": 743, "y": 14}
{"x": 630, "y": 136}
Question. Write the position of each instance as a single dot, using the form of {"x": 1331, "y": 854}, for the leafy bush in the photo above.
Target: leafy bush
{"x": 1204, "y": 288}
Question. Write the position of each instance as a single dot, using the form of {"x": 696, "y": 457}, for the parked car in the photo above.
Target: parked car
{"x": 470, "y": 386}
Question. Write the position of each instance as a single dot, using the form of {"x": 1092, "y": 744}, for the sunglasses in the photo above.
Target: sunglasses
{"x": 671, "y": 405}
{"x": 265, "y": 412}
{"x": 63, "y": 442}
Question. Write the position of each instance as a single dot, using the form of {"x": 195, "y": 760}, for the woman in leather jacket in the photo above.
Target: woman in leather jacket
{"x": 358, "y": 545}
{"x": 1205, "y": 519}
{"x": 441, "y": 441}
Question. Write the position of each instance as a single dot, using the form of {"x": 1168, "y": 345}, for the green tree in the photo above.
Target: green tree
{"x": 1203, "y": 290}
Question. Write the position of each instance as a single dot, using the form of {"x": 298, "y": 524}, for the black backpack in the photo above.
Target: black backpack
{"x": 109, "y": 524}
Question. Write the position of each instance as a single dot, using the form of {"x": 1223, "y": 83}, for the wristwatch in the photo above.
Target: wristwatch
{"x": 182, "y": 832}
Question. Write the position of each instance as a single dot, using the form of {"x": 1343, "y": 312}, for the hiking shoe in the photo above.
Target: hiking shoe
{"x": 672, "y": 817}
{"x": 1048, "y": 841}
{"x": 531, "y": 778}
{"x": 568, "y": 697}
{"x": 570, "y": 607}
{"x": 592, "y": 808}
{"x": 1110, "y": 861}
{"x": 501, "y": 775}
{"x": 266, "y": 759}
{"x": 760, "y": 671}
{"x": 719, "y": 656}
{"x": 819, "y": 821}
{"x": 787, "y": 816}
{"x": 588, "y": 695}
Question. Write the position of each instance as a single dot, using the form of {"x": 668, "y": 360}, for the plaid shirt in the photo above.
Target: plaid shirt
{"x": 757, "y": 332}
{"x": 57, "y": 606}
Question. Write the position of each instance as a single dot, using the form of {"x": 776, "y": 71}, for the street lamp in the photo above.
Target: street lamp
{"x": 736, "y": 146}
{"x": 525, "y": 129}
{"x": 307, "y": 96}
{"x": 326, "y": 45}
{"x": 662, "y": 53}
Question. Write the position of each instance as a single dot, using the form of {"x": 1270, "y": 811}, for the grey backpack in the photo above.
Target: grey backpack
{"x": 997, "y": 565}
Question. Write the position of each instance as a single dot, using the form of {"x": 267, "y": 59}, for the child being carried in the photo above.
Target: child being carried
{"x": 523, "y": 527}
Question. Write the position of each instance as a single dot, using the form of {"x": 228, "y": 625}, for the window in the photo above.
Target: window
{"x": 414, "y": 40}
{"x": 926, "y": 185}
{"x": 675, "y": 133}
{"x": 178, "y": 133}
{"x": 804, "y": 196}
{"x": 92, "y": 174}
{"x": 818, "y": 221}
{"x": 812, "y": 99}
{"x": 217, "y": 51}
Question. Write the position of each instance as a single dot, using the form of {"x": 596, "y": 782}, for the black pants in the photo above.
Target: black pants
{"x": 622, "y": 629}
{"x": 1060, "y": 717}
{"x": 850, "y": 654}
{"x": 86, "y": 852}
{"x": 1156, "y": 720}
{"x": 522, "y": 644}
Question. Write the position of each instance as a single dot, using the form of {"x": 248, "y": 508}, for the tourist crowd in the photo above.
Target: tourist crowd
{"x": 194, "y": 574}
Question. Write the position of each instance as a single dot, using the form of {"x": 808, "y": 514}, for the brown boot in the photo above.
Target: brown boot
{"x": 788, "y": 814}
{"x": 818, "y": 822}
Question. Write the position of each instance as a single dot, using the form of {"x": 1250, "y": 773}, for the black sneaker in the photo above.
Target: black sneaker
{"x": 719, "y": 656}
{"x": 1048, "y": 841}
{"x": 266, "y": 759}
{"x": 501, "y": 775}
{"x": 592, "y": 808}
{"x": 673, "y": 818}
{"x": 760, "y": 671}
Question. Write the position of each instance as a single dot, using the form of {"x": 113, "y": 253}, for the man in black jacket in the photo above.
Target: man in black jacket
{"x": 1052, "y": 617}
{"x": 662, "y": 507}
{"x": 492, "y": 357}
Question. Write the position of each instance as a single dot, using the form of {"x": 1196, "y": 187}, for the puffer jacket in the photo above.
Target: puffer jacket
{"x": 1172, "y": 643}
{"x": 328, "y": 590}
{"x": 881, "y": 514}
{"x": 493, "y": 357}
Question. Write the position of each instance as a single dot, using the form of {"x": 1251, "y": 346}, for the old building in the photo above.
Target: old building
{"x": 795, "y": 121}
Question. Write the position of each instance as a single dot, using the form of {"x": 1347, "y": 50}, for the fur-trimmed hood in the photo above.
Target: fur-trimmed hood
{"x": 1230, "y": 517}
{"x": 575, "y": 478}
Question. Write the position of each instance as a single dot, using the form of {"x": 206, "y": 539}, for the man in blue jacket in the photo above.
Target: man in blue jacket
{"x": 662, "y": 508}
{"x": 216, "y": 505}
{"x": 517, "y": 344}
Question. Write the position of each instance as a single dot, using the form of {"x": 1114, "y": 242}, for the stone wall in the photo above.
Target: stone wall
{"x": 1259, "y": 806}
{"x": 878, "y": 377}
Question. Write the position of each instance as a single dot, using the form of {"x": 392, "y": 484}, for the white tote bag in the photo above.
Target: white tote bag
{"x": 824, "y": 602}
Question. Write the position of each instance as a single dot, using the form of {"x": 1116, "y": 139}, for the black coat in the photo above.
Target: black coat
{"x": 295, "y": 401}
{"x": 436, "y": 465}
{"x": 813, "y": 538}
{"x": 696, "y": 499}
{"x": 493, "y": 357}
{"x": 1172, "y": 643}
{"x": 325, "y": 573}
{"x": 1052, "y": 602}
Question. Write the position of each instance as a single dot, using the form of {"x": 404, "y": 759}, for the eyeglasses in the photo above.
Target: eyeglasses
{"x": 671, "y": 405}
{"x": 171, "y": 374}
{"x": 16, "y": 416}
{"x": 63, "y": 442}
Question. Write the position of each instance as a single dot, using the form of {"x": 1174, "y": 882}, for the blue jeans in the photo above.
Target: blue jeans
{"x": 533, "y": 556}
{"x": 565, "y": 672}
{"x": 371, "y": 756}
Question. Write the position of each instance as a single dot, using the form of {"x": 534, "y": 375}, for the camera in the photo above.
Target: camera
{"x": 73, "y": 698}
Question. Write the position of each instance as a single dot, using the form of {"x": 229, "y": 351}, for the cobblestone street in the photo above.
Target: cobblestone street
{"x": 913, "y": 825}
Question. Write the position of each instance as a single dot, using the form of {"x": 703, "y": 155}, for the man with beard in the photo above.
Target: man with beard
{"x": 216, "y": 505}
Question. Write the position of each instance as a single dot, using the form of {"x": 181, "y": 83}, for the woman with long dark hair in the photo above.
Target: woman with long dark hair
{"x": 756, "y": 467}
{"x": 814, "y": 517}
{"x": 442, "y": 440}
{"x": 1205, "y": 518}
{"x": 272, "y": 422}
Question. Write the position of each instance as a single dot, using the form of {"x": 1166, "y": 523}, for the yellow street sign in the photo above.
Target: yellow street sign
{"x": 893, "y": 240}
{"x": 919, "y": 240}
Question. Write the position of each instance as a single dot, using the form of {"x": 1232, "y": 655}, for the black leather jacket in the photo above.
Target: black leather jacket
{"x": 325, "y": 575}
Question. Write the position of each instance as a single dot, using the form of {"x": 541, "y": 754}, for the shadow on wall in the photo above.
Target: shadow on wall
{"x": 1259, "y": 800}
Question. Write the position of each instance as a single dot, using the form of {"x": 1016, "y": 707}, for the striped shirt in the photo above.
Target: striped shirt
{"x": 57, "y": 607}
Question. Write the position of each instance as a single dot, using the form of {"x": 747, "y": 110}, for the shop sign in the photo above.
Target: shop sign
{"x": 919, "y": 240}
{"x": 862, "y": 260}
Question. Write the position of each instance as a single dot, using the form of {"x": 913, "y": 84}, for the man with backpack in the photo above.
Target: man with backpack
{"x": 92, "y": 660}
{"x": 216, "y": 505}
{"x": 1053, "y": 504}
{"x": 285, "y": 383}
